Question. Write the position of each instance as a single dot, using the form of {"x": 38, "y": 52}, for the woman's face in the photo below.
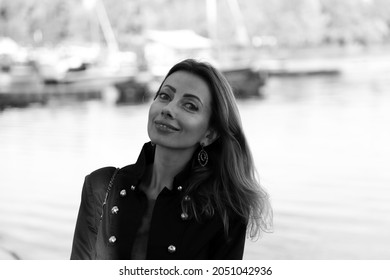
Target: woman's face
{"x": 179, "y": 116}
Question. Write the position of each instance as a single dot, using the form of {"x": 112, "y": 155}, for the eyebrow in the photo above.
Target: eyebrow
{"x": 170, "y": 87}
{"x": 186, "y": 94}
{"x": 193, "y": 96}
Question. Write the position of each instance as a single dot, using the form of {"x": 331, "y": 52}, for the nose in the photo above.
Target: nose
{"x": 168, "y": 110}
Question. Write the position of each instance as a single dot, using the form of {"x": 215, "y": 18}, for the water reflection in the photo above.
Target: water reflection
{"x": 320, "y": 144}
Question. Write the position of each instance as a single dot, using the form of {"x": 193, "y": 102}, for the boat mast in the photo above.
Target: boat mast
{"x": 242, "y": 32}
{"x": 104, "y": 22}
{"x": 211, "y": 11}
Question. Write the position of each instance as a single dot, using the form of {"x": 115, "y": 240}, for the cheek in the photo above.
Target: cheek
{"x": 153, "y": 111}
{"x": 196, "y": 126}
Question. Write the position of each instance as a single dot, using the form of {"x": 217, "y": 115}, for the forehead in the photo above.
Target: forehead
{"x": 186, "y": 82}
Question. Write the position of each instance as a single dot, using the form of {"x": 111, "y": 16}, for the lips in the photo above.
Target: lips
{"x": 165, "y": 126}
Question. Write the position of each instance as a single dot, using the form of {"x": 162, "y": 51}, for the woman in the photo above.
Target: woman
{"x": 192, "y": 194}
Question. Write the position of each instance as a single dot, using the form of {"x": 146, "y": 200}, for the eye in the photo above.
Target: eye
{"x": 164, "y": 96}
{"x": 190, "y": 106}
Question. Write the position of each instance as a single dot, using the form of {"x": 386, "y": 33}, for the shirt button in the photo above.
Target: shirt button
{"x": 114, "y": 210}
{"x": 123, "y": 193}
{"x": 184, "y": 216}
{"x": 179, "y": 188}
{"x": 187, "y": 198}
{"x": 132, "y": 187}
{"x": 171, "y": 249}
{"x": 112, "y": 239}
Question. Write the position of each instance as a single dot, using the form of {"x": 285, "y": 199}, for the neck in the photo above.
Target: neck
{"x": 167, "y": 164}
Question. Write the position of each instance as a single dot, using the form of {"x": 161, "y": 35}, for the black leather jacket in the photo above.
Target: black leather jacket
{"x": 108, "y": 232}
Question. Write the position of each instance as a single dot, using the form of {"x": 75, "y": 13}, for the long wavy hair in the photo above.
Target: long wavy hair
{"x": 229, "y": 181}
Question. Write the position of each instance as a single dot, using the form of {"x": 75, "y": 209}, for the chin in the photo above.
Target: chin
{"x": 167, "y": 140}
{"x": 162, "y": 141}
{"x": 165, "y": 143}
{"x": 169, "y": 144}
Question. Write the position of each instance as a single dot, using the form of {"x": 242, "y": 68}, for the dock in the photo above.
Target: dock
{"x": 298, "y": 68}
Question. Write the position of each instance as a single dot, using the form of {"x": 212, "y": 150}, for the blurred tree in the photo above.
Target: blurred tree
{"x": 292, "y": 22}
{"x": 351, "y": 21}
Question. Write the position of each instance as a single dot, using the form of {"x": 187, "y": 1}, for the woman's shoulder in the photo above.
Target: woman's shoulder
{"x": 99, "y": 178}
{"x": 102, "y": 176}
{"x": 102, "y": 173}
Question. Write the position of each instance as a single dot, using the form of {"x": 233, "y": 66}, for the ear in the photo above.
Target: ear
{"x": 210, "y": 136}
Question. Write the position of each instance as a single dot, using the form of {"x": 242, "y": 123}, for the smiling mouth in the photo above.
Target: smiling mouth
{"x": 165, "y": 127}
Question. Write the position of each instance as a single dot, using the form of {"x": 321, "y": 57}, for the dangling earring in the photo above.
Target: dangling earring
{"x": 151, "y": 143}
{"x": 203, "y": 157}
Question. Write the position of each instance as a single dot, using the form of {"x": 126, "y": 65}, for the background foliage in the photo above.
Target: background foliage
{"x": 290, "y": 22}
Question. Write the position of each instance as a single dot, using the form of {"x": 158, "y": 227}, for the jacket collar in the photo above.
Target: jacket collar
{"x": 146, "y": 157}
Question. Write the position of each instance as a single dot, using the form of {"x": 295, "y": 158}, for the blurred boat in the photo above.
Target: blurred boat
{"x": 68, "y": 72}
{"x": 165, "y": 48}
{"x": 23, "y": 84}
{"x": 246, "y": 82}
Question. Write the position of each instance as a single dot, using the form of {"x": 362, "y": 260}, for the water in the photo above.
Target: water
{"x": 320, "y": 146}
